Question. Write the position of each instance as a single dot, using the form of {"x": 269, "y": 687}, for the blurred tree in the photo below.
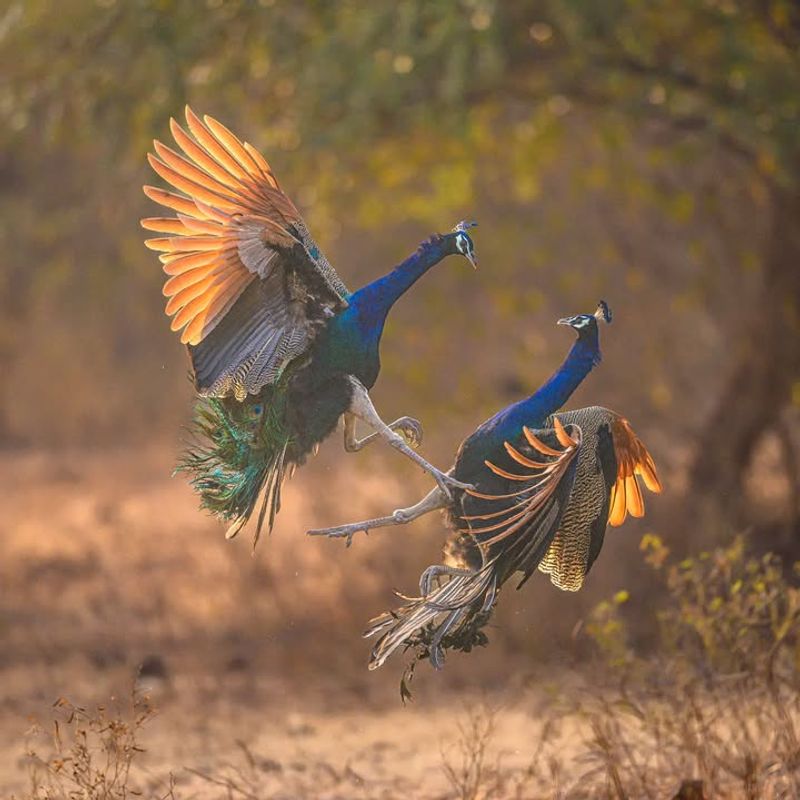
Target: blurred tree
{"x": 399, "y": 108}
{"x": 727, "y": 73}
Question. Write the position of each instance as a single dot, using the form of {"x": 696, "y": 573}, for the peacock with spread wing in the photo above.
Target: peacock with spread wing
{"x": 280, "y": 349}
{"x": 545, "y": 486}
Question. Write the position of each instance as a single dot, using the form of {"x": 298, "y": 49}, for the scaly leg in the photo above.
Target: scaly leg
{"x": 410, "y": 428}
{"x": 361, "y": 407}
{"x": 433, "y": 500}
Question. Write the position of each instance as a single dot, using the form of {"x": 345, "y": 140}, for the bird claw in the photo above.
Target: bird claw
{"x": 435, "y": 572}
{"x": 427, "y": 578}
{"x": 411, "y": 430}
{"x": 432, "y": 573}
{"x": 447, "y": 482}
{"x": 341, "y": 532}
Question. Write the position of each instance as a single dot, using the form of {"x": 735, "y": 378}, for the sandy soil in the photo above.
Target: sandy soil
{"x": 106, "y": 563}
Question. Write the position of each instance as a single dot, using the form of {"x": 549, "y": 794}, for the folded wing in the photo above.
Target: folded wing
{"x": 515, "y": 527}
{"x": 605, "y": 491}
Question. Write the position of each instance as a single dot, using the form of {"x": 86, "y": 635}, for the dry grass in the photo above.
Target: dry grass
{"x": 89, "y": 754}
{"x": 263, "y": 690}
{"x": 718, "y": 698}
{"x": 470, "y": 775}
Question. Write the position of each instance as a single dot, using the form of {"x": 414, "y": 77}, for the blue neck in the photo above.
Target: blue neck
{"x": 548, "y": 399}
{"x": 507, "y": 425}
{"x": 374, "y": 300}
{"x": 352, "y": 338}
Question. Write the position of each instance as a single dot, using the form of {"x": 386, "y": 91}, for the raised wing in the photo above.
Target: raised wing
{"x": 248, "y": 288}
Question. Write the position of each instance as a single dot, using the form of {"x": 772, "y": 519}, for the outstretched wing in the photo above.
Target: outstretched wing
{"x": 248, "y": 288}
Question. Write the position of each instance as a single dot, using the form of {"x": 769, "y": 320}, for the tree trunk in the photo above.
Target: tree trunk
{"x": 766, "y": 368}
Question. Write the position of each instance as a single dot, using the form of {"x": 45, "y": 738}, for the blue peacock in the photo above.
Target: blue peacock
{"x": 545, "y": 484}
{"x": 280, "y": 349}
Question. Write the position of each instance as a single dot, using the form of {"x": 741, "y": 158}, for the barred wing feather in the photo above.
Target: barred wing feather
{"x": 247, "y": 286}
{"x": 606, "y": 490}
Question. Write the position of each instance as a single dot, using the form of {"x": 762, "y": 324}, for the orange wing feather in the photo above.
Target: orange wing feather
{"x": 633, "y": 460}
{"x": 544, "y": 480}
{"x": 226, "y": 185}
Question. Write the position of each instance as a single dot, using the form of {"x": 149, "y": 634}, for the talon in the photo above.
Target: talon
{"x": 411, "y": 430}
{"x": 444, "y": 487}
{"x": 447, "y": 482}
{"x": 426, "y": 579}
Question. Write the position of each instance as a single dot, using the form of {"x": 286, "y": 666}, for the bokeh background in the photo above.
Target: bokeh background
{"x": 644, "y": 153}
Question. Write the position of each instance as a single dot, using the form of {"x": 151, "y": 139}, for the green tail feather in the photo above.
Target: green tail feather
{"x": 240, "y": 450}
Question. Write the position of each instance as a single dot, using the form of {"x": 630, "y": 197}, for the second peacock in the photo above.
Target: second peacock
{"x": 545, "y": 485}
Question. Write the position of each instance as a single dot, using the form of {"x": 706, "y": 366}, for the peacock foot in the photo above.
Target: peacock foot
{"x": 410, "y": 429}
{"x": 346, "y": 532}
{"x": 446, "y": 482}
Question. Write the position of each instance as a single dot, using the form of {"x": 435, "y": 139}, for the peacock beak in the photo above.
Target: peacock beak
{"x": 565, "y": 321}
{"x": 472, "y": 258}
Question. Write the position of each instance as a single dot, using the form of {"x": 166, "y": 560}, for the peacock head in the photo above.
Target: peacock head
{"x": 463, "y": 242}
{"x": 585, "y": 325}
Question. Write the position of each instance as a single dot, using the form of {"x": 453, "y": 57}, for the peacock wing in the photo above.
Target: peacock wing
{"x": 633, "y": 459}
{"x": 511, "y": 528}
{"x": 515, "y": 528}
{"x": 247, "y": 286}
{"x": 605, "y": 491}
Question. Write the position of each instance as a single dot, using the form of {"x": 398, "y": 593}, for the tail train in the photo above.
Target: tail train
{"x": 240, "y": 454}
{"x": 449, "y": 617}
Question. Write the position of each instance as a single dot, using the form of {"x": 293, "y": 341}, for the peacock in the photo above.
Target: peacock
{"x": 545, "y": 483}
{"x": 280, "y": 350}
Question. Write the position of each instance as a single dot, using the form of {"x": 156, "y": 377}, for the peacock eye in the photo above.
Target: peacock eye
{"x": 257, "y": 410}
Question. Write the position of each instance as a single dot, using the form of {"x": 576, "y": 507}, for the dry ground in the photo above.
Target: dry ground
{"x": 256, "y": 664}
{"x": 105, "y": 562}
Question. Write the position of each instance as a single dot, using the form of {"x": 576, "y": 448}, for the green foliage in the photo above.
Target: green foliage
{"x": 607, "y": 629}
{"x": 734, "y": 613}
{"x": 374, "y": 114}
{"x": 726, "y": 612}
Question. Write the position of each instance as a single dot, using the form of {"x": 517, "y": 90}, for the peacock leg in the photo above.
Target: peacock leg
{"x": 433, "y": 500}
{"x": 409, "y": 427}
{"x": 362, "y": 408}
